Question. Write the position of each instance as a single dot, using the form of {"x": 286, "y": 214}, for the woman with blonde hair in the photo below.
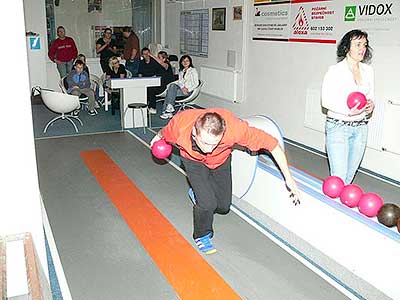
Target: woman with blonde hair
{"x": 115, "y": 70}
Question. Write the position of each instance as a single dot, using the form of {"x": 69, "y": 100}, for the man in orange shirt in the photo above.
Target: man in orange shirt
{"x": 206, "y": 138}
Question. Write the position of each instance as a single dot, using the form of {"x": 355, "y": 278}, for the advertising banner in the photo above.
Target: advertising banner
{"x": 271, "y": 21}
{"x": 379, "y": 18}
{"x": 313, "y": 21}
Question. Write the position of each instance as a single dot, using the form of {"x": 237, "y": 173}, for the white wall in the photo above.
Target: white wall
{"x": 278, "y": 74}
{"x": 172, "y": 19}
{"x": 20, "y": 207}
{"x": 34, "y": 11}
{"x": 74, "y": 16}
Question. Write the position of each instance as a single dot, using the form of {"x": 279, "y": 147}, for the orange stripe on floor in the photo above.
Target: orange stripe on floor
{"x": 185, "y": 269}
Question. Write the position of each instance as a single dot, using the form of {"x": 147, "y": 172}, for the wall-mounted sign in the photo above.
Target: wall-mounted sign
{"x": 34, "y": 43}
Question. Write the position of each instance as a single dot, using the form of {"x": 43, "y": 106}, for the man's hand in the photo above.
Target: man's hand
{"x": 369, "y": 108}
{"x": 280, "y": 159}
{"x": 293, "y": 190}
{"x": 155, "y": 139}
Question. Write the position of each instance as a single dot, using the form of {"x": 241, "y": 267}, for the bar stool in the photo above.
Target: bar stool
{"x": 140, "y": 106}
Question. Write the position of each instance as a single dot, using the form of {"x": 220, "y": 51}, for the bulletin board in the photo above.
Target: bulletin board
{"x": 194, "y": 26}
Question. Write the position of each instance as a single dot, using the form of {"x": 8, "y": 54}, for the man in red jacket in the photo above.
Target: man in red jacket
{"x": 205, "y": 138}
{"x": 63, "y": 52}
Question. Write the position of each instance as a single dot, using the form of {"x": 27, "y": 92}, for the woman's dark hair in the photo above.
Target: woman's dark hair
{"x": 344, "y": 45}
{"x": 181, "y": 60}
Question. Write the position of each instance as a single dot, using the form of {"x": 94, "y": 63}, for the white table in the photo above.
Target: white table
{"x": 134, "y": 90}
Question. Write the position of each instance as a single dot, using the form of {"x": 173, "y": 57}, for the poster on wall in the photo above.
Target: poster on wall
{"x": 95, "y": 6}
{"x": 379, "y": 18}
{"x": 271, "y": 21}
{"x": 218, "y": 20}
{"x": 313, "y": 21}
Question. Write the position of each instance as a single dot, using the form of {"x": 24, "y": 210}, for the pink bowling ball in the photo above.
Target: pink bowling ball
{"x": 161, "y": 149}
{"x": 370, "y": 204}
{"x": 332, "y": 186}
{"x": 354, "y": 98}
{"x": 351, "y": 195}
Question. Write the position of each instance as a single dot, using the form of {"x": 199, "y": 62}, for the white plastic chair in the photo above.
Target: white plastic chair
{"x": 182, "y": 102}
{"x": 62, "y": 104}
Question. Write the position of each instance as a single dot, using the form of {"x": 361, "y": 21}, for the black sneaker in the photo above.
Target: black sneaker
{"x": 75, "y": 113}
{"x": 91, "y": 113}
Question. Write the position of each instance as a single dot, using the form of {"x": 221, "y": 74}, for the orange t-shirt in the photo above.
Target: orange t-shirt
{"x": 179, "y": 131}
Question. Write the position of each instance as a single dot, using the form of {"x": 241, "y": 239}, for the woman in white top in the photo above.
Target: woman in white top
{"x": 184, "y": 86}
{"x": 347, "y": 129}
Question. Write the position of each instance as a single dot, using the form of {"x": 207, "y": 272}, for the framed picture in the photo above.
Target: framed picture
{"x": 95, "y": 6}
{"x": 237, "y": 12}
{"x": 218, "y": 18}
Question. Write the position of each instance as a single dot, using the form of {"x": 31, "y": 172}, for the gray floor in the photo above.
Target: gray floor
{"x": 102, "y": 258}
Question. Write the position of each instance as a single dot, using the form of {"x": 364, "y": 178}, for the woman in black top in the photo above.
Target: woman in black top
{"x": 107, "y": 48}
{"x": 115, "y": 70}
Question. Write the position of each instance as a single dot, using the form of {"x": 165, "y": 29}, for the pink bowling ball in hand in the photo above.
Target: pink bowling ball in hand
{"x": 351, "y": 195}
{"x": 354, "y": 98}
{"x": 370, "y": 204}
{"x": 161, "y": 149}
{"x": 332, "y": 186}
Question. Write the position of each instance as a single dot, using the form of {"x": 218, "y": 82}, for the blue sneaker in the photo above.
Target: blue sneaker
{"x": 204, "y": 244}
{"x": 191, "y": 196}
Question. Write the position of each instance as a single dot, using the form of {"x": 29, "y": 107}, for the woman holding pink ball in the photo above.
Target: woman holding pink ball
{"x": 346, "y": 128}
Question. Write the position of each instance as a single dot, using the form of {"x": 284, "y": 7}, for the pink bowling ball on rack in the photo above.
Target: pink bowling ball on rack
{"x": 354, "y": 98}
{"x": 332, "y": 186}
{"x": 161, "y": 149}
{"x": 351, "y": 195}
{"x": 370, "y": 204}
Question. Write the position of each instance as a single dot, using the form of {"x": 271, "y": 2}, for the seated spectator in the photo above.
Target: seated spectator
{"x": 115, "y": 70}
{"x": 82, "y": 57}
{"x": 184, "y": 86}
{"x": 79, "y": 83}
{"x": 166, "y": 72}
{"x": 148, "y": 66}
{"x": 167, "y": 76}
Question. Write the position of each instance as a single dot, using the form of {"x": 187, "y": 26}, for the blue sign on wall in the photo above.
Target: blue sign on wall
{"x": 34, "y": 43}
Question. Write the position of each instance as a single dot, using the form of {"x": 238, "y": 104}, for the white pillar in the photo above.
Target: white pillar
{"x": 20, "y": 207}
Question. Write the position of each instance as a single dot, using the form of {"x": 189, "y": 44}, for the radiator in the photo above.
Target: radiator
{"x": 391, "y": 135}
{"x": 221, "y": 83}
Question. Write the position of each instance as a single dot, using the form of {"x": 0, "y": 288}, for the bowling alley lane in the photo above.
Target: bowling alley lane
{"x": 96, "y": 244}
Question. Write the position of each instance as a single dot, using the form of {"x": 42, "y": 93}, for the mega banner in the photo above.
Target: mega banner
{"x": 326, "y": 21}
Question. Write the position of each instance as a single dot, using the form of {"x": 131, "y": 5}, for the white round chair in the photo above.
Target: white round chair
{"x": 62, "y": 104}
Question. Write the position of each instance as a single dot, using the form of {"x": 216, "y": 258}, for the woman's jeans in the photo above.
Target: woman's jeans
{"x": 173, "y": 91}
{"x": 345, "y": 145}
